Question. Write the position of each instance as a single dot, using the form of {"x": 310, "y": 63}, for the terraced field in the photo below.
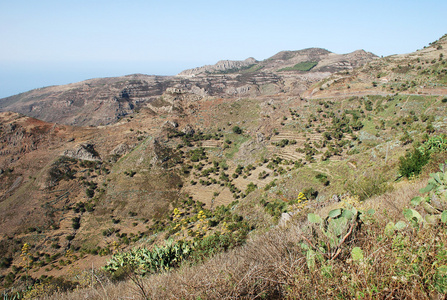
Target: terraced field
{"x": 289, "y": 151}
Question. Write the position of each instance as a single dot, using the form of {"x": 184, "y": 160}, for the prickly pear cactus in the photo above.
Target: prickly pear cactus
{"x": 435, "y": 201}
{"x": 330, "y": 233}
{"x": 142, "y": 260}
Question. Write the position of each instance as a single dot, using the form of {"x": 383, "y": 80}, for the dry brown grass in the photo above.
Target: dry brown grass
{"x": 121, "y": 290}
{"x": 273, "y": 266}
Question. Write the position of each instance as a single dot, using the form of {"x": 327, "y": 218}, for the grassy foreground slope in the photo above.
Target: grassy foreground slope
{"x": 389, "y": 263}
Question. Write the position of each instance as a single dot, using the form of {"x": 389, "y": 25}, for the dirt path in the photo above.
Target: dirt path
{"x": 338, "y": 94}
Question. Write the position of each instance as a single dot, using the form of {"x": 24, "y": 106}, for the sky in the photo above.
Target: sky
{"x": 53, "y": 42}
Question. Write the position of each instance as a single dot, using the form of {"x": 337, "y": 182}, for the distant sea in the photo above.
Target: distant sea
{"x": 21, "y": 77}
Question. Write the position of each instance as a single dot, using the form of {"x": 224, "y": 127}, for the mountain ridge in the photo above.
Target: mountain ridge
{"x": 103, "y": 101}
{"x": 284, "y": 59}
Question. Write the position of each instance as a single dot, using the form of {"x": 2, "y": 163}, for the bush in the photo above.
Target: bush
{"x": 237, "y": 129}
{"x": 406, "y": 138}
{"x": 250, "y": 188}
{"x": 274, "y": 208}
{"x": 411, "y": 164}
{"x": 62, "y": 170}
{"x": 90, "y": 192}
{"x": 310, "y": 193}
{"x": 76, "y": 223}
{"x": 322, "y": 178}
{"x": 197, "y": 154}
{"x": 5, "y": 262}
{"x": 367, "y": 186}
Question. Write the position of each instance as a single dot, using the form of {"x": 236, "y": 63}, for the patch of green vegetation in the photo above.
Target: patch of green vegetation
{"x": 237, "y": 141}
{"x": 411, "y": 164}
{"x": 236, "y": 129}
{"x": 302, "y": 66}
{"x": 366, "y": 187}
{"x": 62, "y": 169}
{"x": 250, "y": 188}
{"x": 274, "y": 208}
{"x": 197, "y": 154}
{"x": 252, "y": 69}
{"x": 204, "y": 244}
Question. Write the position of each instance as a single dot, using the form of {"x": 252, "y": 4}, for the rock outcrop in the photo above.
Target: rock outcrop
{"x": 188, "y": 130}
{"x": 83, "y": 152}
{"x": 120, "y": 149}
{"x": 221, "y": 66}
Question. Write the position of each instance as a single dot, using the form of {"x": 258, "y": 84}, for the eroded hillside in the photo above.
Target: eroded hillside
{"x": 106, "y": 100}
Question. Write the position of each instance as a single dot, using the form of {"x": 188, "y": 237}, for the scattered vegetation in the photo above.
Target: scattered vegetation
{"x": 302, "y": 66}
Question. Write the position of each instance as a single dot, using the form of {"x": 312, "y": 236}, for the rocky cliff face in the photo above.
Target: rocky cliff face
{"x": 220, "y": 67}
{"x": 91, "y": 102}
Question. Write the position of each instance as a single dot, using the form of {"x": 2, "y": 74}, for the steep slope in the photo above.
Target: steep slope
{"x": 92, "y": 102}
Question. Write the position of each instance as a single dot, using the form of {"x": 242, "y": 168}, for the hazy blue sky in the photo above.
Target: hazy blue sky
{"x": 50, "y": 42}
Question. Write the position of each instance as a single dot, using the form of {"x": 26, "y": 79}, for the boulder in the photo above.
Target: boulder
{"x": 285, "y": 218}
{"x": 188, "y": 130}
{"x": 170, "y": 124}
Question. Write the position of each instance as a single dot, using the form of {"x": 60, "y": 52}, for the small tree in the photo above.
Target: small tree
{"x": 237, "y": 129}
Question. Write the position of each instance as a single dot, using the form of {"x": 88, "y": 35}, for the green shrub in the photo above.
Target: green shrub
{"x": 237, "y": 129}
{"x": 76, "y": 222}
{"x": 275, "y": 208}
{"x": 219, "y": 242}
{"x": 197, "y": 154}
{"x": 90, "y": 192}
{"x": 62, "y": 170}
{"x": 367, "y": 186}
{"x": 250, "y": 188}
{"x": 270, "y": 185}
{"x": 411, "y": 164}
{"x": 310, "y": 193}
{"x": 302, "y": 66}
{"x": 406, "y": 138}
{"x": 322, "y": 178}
{"x": 434, "y": 144}
{"x": 5, "y": 262}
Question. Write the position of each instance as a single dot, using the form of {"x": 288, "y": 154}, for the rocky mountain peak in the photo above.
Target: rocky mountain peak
{"x": 220, "y": 66}
{"x": 309, "y": 53}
